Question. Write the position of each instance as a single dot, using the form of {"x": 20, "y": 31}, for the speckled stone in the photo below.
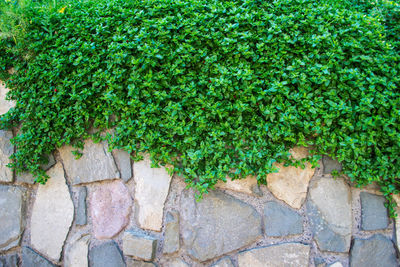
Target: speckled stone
{"x": 280, "y": 220}
{"x": 106, "y": 255}
{"x": 6, "y": 150}
{"x": 374, "y": 214}
{"x": 139, "y": 245}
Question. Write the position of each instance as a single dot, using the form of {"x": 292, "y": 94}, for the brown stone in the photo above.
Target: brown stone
{"x": 110, "y": 207}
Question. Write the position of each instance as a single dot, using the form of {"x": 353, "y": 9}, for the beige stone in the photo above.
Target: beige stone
{"x": 52, "y": 214}
{"x": 151, "y": 190}
{"x": 6, "y": 150}
{"x": 96, "y": 163}
{"x": 239, "y": 185}
{"x": 336, "y": 264}
{"x": 397, "y": 220}
{"x": 290, "y": 254}
{"x": 139, "y": 245}
{"x": 5, "y": 105}
{"x": 76, "y": 253}
{"x": 290, "y": 184}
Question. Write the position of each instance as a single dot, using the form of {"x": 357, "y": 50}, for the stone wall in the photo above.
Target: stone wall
{"x": 105, "y": 210}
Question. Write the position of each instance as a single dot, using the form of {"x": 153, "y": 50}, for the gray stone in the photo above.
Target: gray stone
{"x": 336, "y": 264}
{"x": 330, "y": 164}
{"x": 6, "y": 150}
{"x": 106, "y": 255}
{"x": 135, "y": 263}
{"x": 171, "y": 236}
{"x": 217, "y": 224}
{"x": 10, "y": 260}
{"x": 96, "y": 164}
{"x": 139, "y": 245}
{"x": 5, "y": 105}
{"x": 11, "y": 207}
{"x": 52, "y": 214}
{"x": 27, "y": 177}
{"x": 151, "y": 191}
{"x": 289, "y": 254}
{"x": 224, "y": 262}
{"x": 330, "y": 214}
{"x": 81, "y": 218}
{"x": 176, "y": 262}
{"x": 123, "y": 160}
{"x": 31, "y": 259}
{"x": 375, "y": 251}
{"x": 374, "y": 215}
{"x": 280, "y": 220}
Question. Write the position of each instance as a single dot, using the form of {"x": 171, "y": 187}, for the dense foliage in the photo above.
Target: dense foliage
{"x": 213, "y": 87}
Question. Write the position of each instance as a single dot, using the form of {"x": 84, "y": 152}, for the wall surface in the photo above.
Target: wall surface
{"x": 105, "y": 210}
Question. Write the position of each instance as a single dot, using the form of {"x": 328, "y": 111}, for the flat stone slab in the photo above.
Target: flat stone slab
{"x": 52, "y": 214}
{"x": 106, "y": 254}
{"x": 171, "y": 235}
{"x": 123, "y": 160}
{"x": 81, "y": 218}
{"x": 247, "y": 185}
{"x": 151, "y": 191}
{"x": 280, "y": 220}
{"x": 289, "y": 254}
{"x": 374, "y": 214}
{"x": 5, "y": 105}
{"x": 330, "y": 214}
{"x": 96, "y": 164}
{"x": 290, "y": 184}
{"x": 6, "y": 150}
{"x": 139, "y": 245}
{"x": 76, "y": 252}
{"x": 110, "y": 206}
{"x": 135, "y": 263}
{"x": 31, "y": 259}
{"x": 330, "y": 165}
{"x": 224, "y": 262}
{"x": 9, "y": 260}
{"x": 27, "y": 177}
{"x": 11, "y": 201}
{"x": 217, "y": 224}
{"x": 375, "y": 251}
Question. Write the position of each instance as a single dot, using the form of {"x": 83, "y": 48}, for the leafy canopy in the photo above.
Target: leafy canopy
{"x": 214, "y": 88}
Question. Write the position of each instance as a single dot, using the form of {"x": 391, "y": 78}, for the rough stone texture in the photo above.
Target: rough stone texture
{"x": 330, "y": 164}
{"x": 52, "y": 214}
{"x": 110, "y": 206}
{"x": 280, "y": 220}
{"x": 330, "y": 214}
{"x": 5, "y": 105}
{"x": 31, "y": 259}
{"x": 171, "y": 236}
{"x": 106, "y": 254}
{"x": 10, "y": 260}
{"x": 375, "y": 251}
{"x": 247, "y": 185}
{"x": 81, "y": 218}
{"x": 176, "y": 262}
{"x": 6, "y": 150}
{"x": 336, "y": 264}
{"x": 139, "y": 245}
{"x": 290, "y": 254}
{"x": 151, "y": 190}
{"x": 10, "y": 216}
{"x": 96, "y": 164}
{"x": 224, "y": 262}
{"x": 217, "y": 225}
{"x": 76, "y": 253}
{"x": 123, "y": 160}
{"x": 135, "y": 263}
{"x": 374, "y": 215}
{"x": 290, "y": 183}
{"x": 397, "y": 219}
{"x": 27, "y": 177}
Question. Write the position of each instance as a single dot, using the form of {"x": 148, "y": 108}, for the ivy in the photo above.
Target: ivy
{"x": 214, "y": 88}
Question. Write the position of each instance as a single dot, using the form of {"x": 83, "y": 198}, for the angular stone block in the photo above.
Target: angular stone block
{"x": 139, "y": 245}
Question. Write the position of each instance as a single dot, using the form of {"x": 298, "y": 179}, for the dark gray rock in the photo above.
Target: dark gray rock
{"x": 171, "y": 236}
{"x": 280, "y": 220}
{"x": 10, "y": 216}
{"x": 374, "y": 215}
{"x": 106, "y": 255}
{"x": 330, "y": 164}
{"x": 81, "y": 218}
{"x": 31, "y": 259}
{"x": 6, "y": 150}
{"x": 217, "y": 224}
{"x": 373, "y": 252}
{"x": 9, "y": 260}
{"x": 123, "y": 160}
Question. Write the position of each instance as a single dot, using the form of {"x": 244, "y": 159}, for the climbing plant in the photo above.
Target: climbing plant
{"x": 214, "y": 88}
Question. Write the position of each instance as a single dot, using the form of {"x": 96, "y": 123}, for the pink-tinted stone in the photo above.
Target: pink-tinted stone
{"x": 110, "y": 206}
